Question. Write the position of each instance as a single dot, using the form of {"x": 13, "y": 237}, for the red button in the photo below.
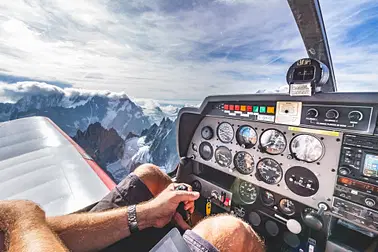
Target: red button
{"x": 225, "y": 106}
{"x": 249, "y": 108}
{"x": 227, "y": 202}
{"x": 237, "y": 107}
{"x": 231, "y": 107}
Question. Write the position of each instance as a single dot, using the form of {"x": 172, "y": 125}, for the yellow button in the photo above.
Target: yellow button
{"x": 270, "y": 110}
{"x": 243, "y": 108}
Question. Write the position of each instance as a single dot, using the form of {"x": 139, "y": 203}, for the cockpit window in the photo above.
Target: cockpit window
{"x": 353, "y": 38}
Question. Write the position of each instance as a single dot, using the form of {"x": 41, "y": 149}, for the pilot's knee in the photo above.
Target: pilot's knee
{"x": 153, "y": 178}
{"x": 228, "y": 233}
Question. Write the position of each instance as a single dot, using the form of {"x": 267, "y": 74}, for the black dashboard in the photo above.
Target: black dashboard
{"x": 300, "y": 170}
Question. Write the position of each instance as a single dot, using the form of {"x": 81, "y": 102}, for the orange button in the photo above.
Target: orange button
{"x": 270, "y": 110}
{"x": 243, "y": 108}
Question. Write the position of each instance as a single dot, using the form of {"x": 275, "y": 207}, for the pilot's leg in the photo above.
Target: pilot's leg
{"x": 143, "y": 184}
{"x": 223, "y": 233}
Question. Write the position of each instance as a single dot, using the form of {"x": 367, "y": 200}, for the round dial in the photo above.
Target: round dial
{"x": 306, "y": 148}
{"x": 207, "y": 132}
{"x": 287, "y": 207}
{"x": 248, "y": 192}
{"x": 206, "y": 151}
{"x": 269, "y": 171}
{"x": 355, "y": 116}
{"x": 225, "y": 132}
{"x": 246, "y": 137}
{"x": 332, "y": 114}
{"x": 267, "y": 198}
{"x": 244, "y": 162}
{"x": 223, "y": 156}
{"x": 312, "y": 113}
{"x": 273, "y": 141}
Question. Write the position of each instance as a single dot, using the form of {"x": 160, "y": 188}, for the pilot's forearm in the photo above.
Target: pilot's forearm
{"x": 95, "y": 231}
{"x": 31, "y": 235}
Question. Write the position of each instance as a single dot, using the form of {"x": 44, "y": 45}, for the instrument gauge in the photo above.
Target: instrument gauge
{"x": 267, "y": 198}
{"x": 273, "y": 141}
{"x": 223, "y": 156}
{"x": 287, "y": 207}
{"x": 244, "y": 162}
{"x": 246, "y": 137}
{"x": 306, "y": 148}
{"x": 248, "y": 192}
{"x": 269, "y": 171}
{"x": 207, "y": 132}
{"x": 206, "y": 151}
{"x": 225, "y": 132}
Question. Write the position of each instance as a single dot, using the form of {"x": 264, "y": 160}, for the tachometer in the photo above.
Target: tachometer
{"x": 306, "y": 148}
{"x": 244, "y": 162}
{"x": 225, "y": 132}
{"x": 248, "y": 192}
{"x": 267, "y": 198}
{"x": 287, "y": 207}
{"x": 273, "y": 141}
{"x": 246, "y": 137}
{"x": 223, "y": 156}
{"x": 269, "y": 171}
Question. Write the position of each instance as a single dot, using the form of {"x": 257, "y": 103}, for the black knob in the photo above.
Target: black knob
{"x": 207, "y": 132}
{"x": 355, "y": 116}
{"x": 344, "y": 171}
{"x": 315, "y": 220}
{"x": 312, "y": 113}
{"x": 332, "y": 114}
{"x": 196, "y": 185}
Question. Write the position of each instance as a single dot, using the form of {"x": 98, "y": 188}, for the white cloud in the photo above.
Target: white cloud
{"x": 173, "y": 50}
{"x": 12, "y": 93}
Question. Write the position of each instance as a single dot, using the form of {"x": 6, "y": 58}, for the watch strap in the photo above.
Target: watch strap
{"x": 132, "y": 219}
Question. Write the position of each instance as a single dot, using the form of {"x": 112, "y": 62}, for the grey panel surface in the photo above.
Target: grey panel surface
{"x": 325, "y": 170}
{"x": 38, "y": 163}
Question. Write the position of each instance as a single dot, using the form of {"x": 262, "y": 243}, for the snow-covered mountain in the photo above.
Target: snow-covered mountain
{"x": 72, "y": 109}
{"x": 157, "y": 111}
{"x": 281, "y": 90}
{"x": 156, "y": 145}
{"x": 116, "y": 132}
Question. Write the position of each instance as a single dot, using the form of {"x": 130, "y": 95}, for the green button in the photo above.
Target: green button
{"x": 262, "y": 109}
{"x": 256, "y": 109}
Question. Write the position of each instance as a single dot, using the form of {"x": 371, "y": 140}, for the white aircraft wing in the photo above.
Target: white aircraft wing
{"x": 39, "y": 162}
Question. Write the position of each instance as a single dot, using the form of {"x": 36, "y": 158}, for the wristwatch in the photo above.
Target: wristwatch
{"x": 132, "y": 219}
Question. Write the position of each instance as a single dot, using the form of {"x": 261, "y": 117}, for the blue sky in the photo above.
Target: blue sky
{"x": 181, "y": 50}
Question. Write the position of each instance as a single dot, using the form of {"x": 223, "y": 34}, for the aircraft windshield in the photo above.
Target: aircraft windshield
{"x": 353, "y": 37}
{"x": 113, "y": 74}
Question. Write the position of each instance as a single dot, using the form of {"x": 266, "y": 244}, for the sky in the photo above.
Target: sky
{"x": 178, "y": 50}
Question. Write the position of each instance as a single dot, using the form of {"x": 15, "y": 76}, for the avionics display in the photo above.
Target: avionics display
{"x": 355, "y": 184}
{"x": 370, "y": 168}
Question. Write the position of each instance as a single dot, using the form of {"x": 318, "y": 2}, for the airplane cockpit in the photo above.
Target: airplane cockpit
{"x": 301, "y": 169}
{"x": 300, "y": 166}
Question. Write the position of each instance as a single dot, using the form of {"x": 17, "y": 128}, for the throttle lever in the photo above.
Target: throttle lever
{"x": 180, "y": 209}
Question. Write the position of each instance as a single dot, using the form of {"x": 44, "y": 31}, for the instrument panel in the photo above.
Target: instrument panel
{"x": 295, "y": 162}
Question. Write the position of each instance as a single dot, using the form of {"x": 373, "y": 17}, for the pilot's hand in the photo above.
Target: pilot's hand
{"x": 163, "y": 208}
{"x": 17, "y": 211}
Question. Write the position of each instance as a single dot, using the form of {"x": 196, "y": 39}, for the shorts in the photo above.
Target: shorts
{"x": 133, "y": 191}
